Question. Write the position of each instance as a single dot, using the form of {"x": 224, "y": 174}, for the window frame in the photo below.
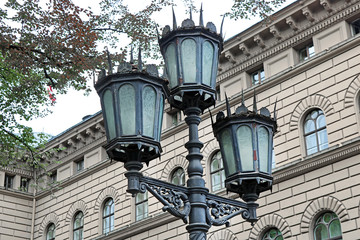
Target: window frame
{"x": 9, "y": 181}
{"x": 80, "y": 228}
{"x": 143, "y": 202}
{"x": 110, "y": 216}
{"x": 24, "y": 185}
{"x": 82, "y": 164}
{"x": 181, "y": 177}
{"x": 316, "y": 131}
{"x": 306, "y": 49}
{"x": 221, "y": 170}
{"x": 316, "y": 223}
{"x": 355, "y": 28}
{"x": 268, "y": 231}
{"x": 53, "y": 230}
{"x": 259, "y": 72}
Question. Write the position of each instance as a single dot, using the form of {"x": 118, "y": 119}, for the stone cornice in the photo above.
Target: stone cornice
{"x": 290, "y": 41}
{"x": 133, "y": 229}
{"x": 318, "y": 160}
{"x": 17, "y": 171}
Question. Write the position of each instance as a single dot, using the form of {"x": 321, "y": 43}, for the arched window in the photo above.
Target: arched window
{"x": 78, "y": 226}
{"x": 315, "y": 132}
{"x": 217, "y": 172}
{"x": 108, "y": 216}
{"x": 50, "y": 233}
{"x": 273, "y": 234}
{"x": 178, "y": 177}
{"x": 327, "y": 227}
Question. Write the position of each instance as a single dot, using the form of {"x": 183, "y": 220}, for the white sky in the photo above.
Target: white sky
{"x": 72, "y": 107}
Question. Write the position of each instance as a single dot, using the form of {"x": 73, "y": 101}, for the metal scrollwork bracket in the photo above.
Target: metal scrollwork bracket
{"x": 173, "y": 197}
{"x": 220, "y": 210}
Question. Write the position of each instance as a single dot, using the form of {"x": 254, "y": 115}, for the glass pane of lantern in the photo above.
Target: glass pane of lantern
{"x": 245, "y": 140}
{"x": 188, "y": 56}
{"x": 263, "y": 138}
{"x": 149, "y": 105}
{"x": 207, "y": 62}
{"x": 160, "y": 116}
{"x": 170, "y": 59}
{"x": 227, "y": 149}
{"x": 109, "y": 112}
{"x": 127, "y": 109}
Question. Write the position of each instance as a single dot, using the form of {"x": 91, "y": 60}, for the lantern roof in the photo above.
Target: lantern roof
{"x": 243, "y": 113}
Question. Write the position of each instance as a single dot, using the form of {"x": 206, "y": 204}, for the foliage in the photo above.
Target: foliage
{"x": 56, "y": 43}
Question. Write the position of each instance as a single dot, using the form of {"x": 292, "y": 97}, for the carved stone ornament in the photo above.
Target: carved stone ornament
{"x": 244, "y": 49}
{"x": 308, "y": 14}
{"x": 259, "y": 41}
{"x": 291, "y": 22}
{"x": 326, "y": 5}
{"x": 274, "y": 31}
{"x": 230, "y": 57}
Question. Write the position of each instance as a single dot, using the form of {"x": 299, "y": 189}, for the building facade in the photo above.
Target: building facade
{"x": 307, "y": 62}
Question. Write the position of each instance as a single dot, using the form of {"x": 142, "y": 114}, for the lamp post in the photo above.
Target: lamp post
{"x": 132, "y": 103}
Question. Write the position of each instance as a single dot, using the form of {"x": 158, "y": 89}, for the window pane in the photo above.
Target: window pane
{"x": 227, "y": 146}
{"x": 170, "y": 58}
{"x": 311, "y": 144}
{"x": 149, "y": 102}
{"x": 335, "y": 228}
{"x": 309, "y": 126}
{"x": 272, "y": 234}
{"x": 109, "y": 112}
{"x": 207, "y": 62}
{"x": 188, "y": 55}
{"x": 321, "y": 232}
{"x": 323, "y": 140}
{"x": 263, "y": 135}
{"x": 127, "y": 109}
{"x": 244, "y": 136}
{"x": 311, "y": 50}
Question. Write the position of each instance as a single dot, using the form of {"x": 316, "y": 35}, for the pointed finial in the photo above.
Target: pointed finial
{"x": 221, "y": 28}
{"x": 190, "y": 12}
{"x": 201, "y": 17}
{"x": 109, "y": 61}
{"x": 131, "y": 55}
{"x": 275, "y": 109}
{"x": 139, "y": 60}
{"x": 174, "y": 20}
{"x": 254, "y": 104}
{"x": 227, "y": 106}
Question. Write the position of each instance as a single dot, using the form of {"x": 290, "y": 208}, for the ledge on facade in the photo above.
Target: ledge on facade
{"x": 16, "y": 193}
{"x": 128, "y": 231}
{"x": 312, "y": 162}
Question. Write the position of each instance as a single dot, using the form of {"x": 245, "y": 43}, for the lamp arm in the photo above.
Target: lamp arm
{"x": 220, "y": 210}
{"x": 174, "y": 198}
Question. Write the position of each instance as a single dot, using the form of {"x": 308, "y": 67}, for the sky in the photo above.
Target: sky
{"x": 73, "y": 106}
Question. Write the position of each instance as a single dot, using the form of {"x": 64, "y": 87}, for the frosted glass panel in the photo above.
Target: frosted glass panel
{"x": 127, "y": 109}
{"x": 109, "y": 112}
{"x": 207, "y": 62}
{"x": 149, "y": 102}
{"x": 311, "y": 144}
{"x": 244, "y": 137}
{"x": 263, "y": 138}
{"x": 188, "y": 55}
{"x": 170, "y": 59}
{"x": 228, "y": 151}
{"x": 161, "y": 116}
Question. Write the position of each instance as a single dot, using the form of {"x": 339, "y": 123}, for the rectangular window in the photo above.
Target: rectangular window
{"x": 9, "y": 181}
{"x": 175, "y": 118}
{"x": 355, "y": 27}
{"x": 306, "y": 52}
{"x": 24, "y": 184}
{"x": 53, "y": 177}
{"x": 141, "y": 206}
{"x": 79, "y": 165}
{"x": 218, "y": 93}
{"x": 258, "y": 76}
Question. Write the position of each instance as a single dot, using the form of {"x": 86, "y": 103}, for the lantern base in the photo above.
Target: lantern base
{"x": 249, "y": 185}
{"x": 185, "y": 97}
{"x": 128, "y": 148}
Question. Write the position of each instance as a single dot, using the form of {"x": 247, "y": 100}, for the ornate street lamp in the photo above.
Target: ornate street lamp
{"x": 191, "y": 56}
{"x": 246, "y": 143}
{"x": 132, "y": 103}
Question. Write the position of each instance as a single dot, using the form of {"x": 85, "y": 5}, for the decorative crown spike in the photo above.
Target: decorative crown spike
{"x": 131, "y": 55}
{"x": 221, "y": 27}
{"x": 227, "y": 106}
{"x": 201, "y": 17}
{"x": 275, "y": 109}
{"x": 139, "y": 60}
{"x": 254, "y": 104}
{"x": 174, "y": 20}
{"x": 190, "y": 12}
